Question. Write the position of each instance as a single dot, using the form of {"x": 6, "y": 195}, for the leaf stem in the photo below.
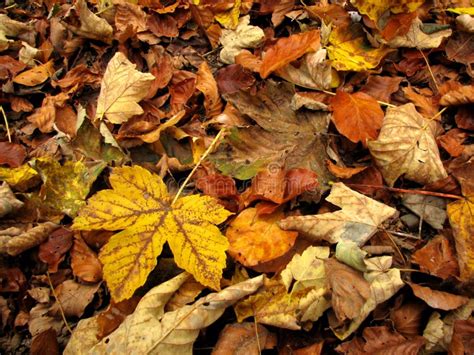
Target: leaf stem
{"x": 6, "y": 123}
{"x": 429, "y": 69}
{"x": 416, "y": 192}
{"x": 204, "y": 156}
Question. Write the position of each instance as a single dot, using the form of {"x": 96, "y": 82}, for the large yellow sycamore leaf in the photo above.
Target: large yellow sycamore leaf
{"x": 374, "y": 9}
{"x": 461, "y": 217}
{"x": 140, "y": 206}
{"x": 122, "y": 88}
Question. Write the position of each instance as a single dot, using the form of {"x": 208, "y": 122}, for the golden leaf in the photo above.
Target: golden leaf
{"x": 230, "y": 18}
{"x": 36, "y": 75}
{"x": 352, "y": 53}
{"x": 406, "y": 145}
{"x": 122, "y": 88}
{"x": 461, "y": 217}
{"x": 20, "y": 178}
{"x": 139, "y": 204}
{"x": 357, "y": 221}
{"x": 374, "y": 9}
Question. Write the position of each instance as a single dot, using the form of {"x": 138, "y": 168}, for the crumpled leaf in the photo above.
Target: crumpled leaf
{"x": 257, "y": 239}
{"x": 244, "y": 339}
{"x": 458, "y": 95}
{"x": 283, "y": 137}
{"x": 173, "y": 332}
{"x": 374, "y": 9}
{"x": 244, "y": 36}
{"x": 416, "y": 38}
{"x": 139, "y": 204}
{"x": 8, "y": 202}
{"x": 208, "y": 86}
{"x": 12, "y": 154}
{"x": 122, "y": 88}
{"x": 357, "y": 221}
{"x": 438, "y": 299}
{"x": 92, "y": 26}
{"x": 350, "y": 254}
{"x": 432, "y": 209}
{"x": 406, "y": 146}
{"x": 287, "y": 49}
{"x": 11, "y": 28}
{"x": 408, "y": 318}
{"x": 461, "y": 218}
{"x": 29, "y": 239}
{"x": 357, "y": 116}
{"x": 351, "y": 53}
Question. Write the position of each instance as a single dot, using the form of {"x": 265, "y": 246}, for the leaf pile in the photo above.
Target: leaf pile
{"x": 236, "y": 177}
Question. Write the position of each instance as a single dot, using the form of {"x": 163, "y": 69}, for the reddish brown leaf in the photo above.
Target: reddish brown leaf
{"x": 407, "y": 319}
{"x": 462, "y": 341}
{"x": 457, "y": 95}
{"x": 438, "y": 299}
{"x": 11, "y": 279}
{"x": 182, "y": 91}
{"x": 66, "y": 120}
{"x": 280, "y": 10}
{"x": 356, "y": 116}
{"x": 207, "y": 85}
{"x": 465, "y": 176}
{"x": 330, "y": 13}
{"x": 465, "y": 117}
{"x": 78, "y": 77}
{"x": 437, "y": 257}
{"x": 286, "y": 50}
{"x": 114, "y": 315}
{"x": 84, "y": 262}
{"x": 398, "y": 25}
{"x": 12, "y": 154}
{"x": 314, "y": 349}
{"x": 233, "y": 78}
{"x": 460, "y": 47}
{"x": 45, "y": 343}
{"x": 381, "y": 87}
{"x": 162, "y": 25}
{"x": 343, "y": 172}
{"x": 366, "y": 182}
{"x": 217, "y": 185}
{"x": 248, "y": 60}
{"x": 74, "y": 298}
{"x": 381, "y": 341}
{"x": 45, "y": 117}
{"x": 52, "y": 251}
{"x": 131, "y": 16}
{"x": 36, "y": 75}
{"x": 9, "y": 67}
{"x": 244, "y": 339}
{"x": 453, "y": 141}
{"x": 426, "y": 105}
{"x": 20, "y": 104}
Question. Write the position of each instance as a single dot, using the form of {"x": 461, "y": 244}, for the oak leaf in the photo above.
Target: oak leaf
{"x": 257, "y": 239}
{"x": 461, "y": 218}
{"x": 139, "y": 204}
{"x": 406, "y": 146}
{"x": 357, "y": 221}
{"x": 438, "y": 299}
{"x": 356, "y": 116}
{"x": 287, "y": 49}
{"x": 122, "y": 88}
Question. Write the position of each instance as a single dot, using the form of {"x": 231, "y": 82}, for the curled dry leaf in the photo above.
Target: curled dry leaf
{"x": 207, "y": 85}
{"x": 356, "y": 116}
{"x": 244, "y": 339}
{"x": 186, "y": 294}
{"x": 122, "y": 88}
{"x": 438, "y": 299}
{"x": 233, "y": 78}
{"x": 357, "y": 221}
{"x": 257, "y": 239}
{"x": 406, "y": 146}
{"x": 84, "y": 262}
{"x": 343, "y": 172}
{"x": 29, "y": 239}
{"x": 8, "y": 202}
{"x": 92, "y": 26}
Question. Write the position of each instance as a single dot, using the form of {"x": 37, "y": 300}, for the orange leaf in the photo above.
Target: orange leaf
{"x": 356, "y": 116}
{"x": 208, "y": 86}
{"x": 438, "y": 299}
{"x": 453, "y": 141}
{"x": 344, "y": 172}
{"x": 256, "y": 239}
{"x": 288, "y": 49}
{"x": 36, "y": 75}
{"x": 84, "y": 262}
{"x": 248, "y": 60}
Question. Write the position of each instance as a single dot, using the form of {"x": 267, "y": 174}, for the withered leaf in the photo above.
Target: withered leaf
{"x": 438, "y": 299}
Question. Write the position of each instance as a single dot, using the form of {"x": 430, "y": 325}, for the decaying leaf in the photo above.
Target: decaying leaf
{"x": 29, "y": 239}
{"x": 257, "y": 239}
{"x": 438, "y": 299}
{"x": 139, "y": 204}
{"x": 92, "y": 26}
{"x": 122, "y": 88}
{"x": 432, "y": 209}
{"x": 357, "y": 221}
{"x": 208, "y": 86}
{"x": 244, "y": 339}
{"x": 74, "y": 298}
{"x": 406, "y": 146}
{"x": 8, "y": 202}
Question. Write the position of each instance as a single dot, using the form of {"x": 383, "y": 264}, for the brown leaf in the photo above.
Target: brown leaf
{"x": 217, "y": 185}
{"x": 45, "y": 343}
{"x": 207, "y": 85}
{"x": 465, "y": 117}
{"x": 356, "y": 116}
{"x": 11, "y": 279}
{"x": 349, "y": 289}
{"x": 129, "y": 20}
{"x": 233, "y": 78}
{"x": 53, "y": 250}
{"x": 381, "y": 87}
{"x": 398, "y": 25}
{"x": 280, "y": 10}
{"x": 78, "y": 77}
{"x": 244, "y": 339}
{"x": 462, "y": 341}
{"x": 285, "y": 50}
{"x": 36, "y": 75}
{"x": 45, "y": 116}
{"x": 427, "y": 105}
{"x": 438, "y": 299}
{"x": 162, "y": 25}
{"x": 20, "y": 104}
{"x": 460, "y": 47}
{"x": 248, "y": 60}
{"x": 343, "y": 172}
{"x": 8, "y": 202}
{"x": 367, "y": 181}
{"x": 333, "y": 14}
{"x": 84, "y": 262}
{"x": 465, "y": 176}
{"x": 459, "y": 95}
{"x": 437, "y": 257}
{"x": 30, "y": 238}
{"x": 182, "y": 91}
{"x": 74, "y": 298}
{"x": 380, "y": 341}
{"x": 407, "y": 319}
{"x": 186, "y": 294}
{"x": 114, "y": 315}
{"x": 9, "y": 67}
{"x": 12, "y": 154}
{"x": 452, "y": 141}
{"x": 315, "y": 349}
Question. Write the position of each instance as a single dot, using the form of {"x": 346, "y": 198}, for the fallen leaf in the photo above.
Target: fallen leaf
{"x": 334, "y": 14}
{"x": 92, "y": 26}
{"x": 459, "y": 95}
{"x": 465, "y": 176}
{"x": 463, "y": 334}
{"x": 186, "y": 294}
{"x": 427, "y": 105}
{"x": 244, "y": 339}
{"x": 12, "y": 154}
{"x": 453, "y": 141}
{"x": 230, "y": 18}
{"x": 357, "y": 221}
{"x": 78, "y": 77}
{"x": 397, "y": 25}
{"x": 244, "y": 36}
{"x": 114, "y": 315}
{"x": 139, "y": 204}
{"x": 438, "y": 299}
{"x": 9, "y": 66}
{"x": 350, "y": 254}
{"x": 11, "y": 28}
{"x": 460, "y": 47}
{"x": 207, "y": 85}
{"x": 375, "y": 9}
{"x": 8, "y": 202}
{"x": 45, "y": 343}
{"x": 257, "y": 239}
{"x": 122, "y": 88}
{"x": 233, "y": 78}
{"x": 356, "y": 116}
{"x": 45, "y": 117}
{"x": 461, "y": 218}
{"x": 29, "y": 239}
{"x": 406, "y": 146}
{"x": 20, "y": 178}
{"x": 36, "y": 75}
{"x": 162, "y": 25}
{"x": 343, "y": 172}
{"x": 84, "y": 262}
{"x": 130, "y": 19}
{"x": 52, "y": 252}
{"x": 430, "y": 208}
{"x": 73, "y": 297}
{"x": 437, "y": 258}
{"x": 287, "y": 49}
{"x": 381, "y": 87}
{"x": 408, "y": 318}
{"x": 40, "y": 320}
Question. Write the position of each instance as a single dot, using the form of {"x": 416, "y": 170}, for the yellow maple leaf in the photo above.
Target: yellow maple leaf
{"x": 122, "y": 88}
{"x": 140, "y": 206}
{"x": 374, "y": 9}
{"x": 352, "y": 53}
{"x": 461, "y": 217}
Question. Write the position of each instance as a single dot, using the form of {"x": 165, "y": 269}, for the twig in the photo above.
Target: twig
{"x": 6, "y": 123}
{"x": 61, "y": 310}
{"x": 257, "y": 336}
{"x": 401, "y": 234}
{"x": 429, "y": 69}
{"x": 383, "y": 103}
{"x": 204, "y": 156}
{"x": 416, "y": 192}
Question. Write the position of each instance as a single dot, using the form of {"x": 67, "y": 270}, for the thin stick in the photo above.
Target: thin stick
{"x": 204, "y": 156}
{"x": 429, "y": 69}
{"x": 383, "y": 103}
{"x": 6, "y": 124}
{"x": 61, "y": 310}
{"x": 416, "y": 192}
{"x": 401, "y": 234}
{"x": 257, "y": 336}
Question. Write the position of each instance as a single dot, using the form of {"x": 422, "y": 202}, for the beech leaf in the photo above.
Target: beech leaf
{"x": 357, "y": 221}
{"x": 122, "y": 88}
{"x": 139, "y": 204}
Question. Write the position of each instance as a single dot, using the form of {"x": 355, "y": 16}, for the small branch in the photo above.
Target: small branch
{"x": 204, "y": 156}
{"x": 406, "y": 191}
{"x": 6, "y": 123}
{"x": 61, "y": 310}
